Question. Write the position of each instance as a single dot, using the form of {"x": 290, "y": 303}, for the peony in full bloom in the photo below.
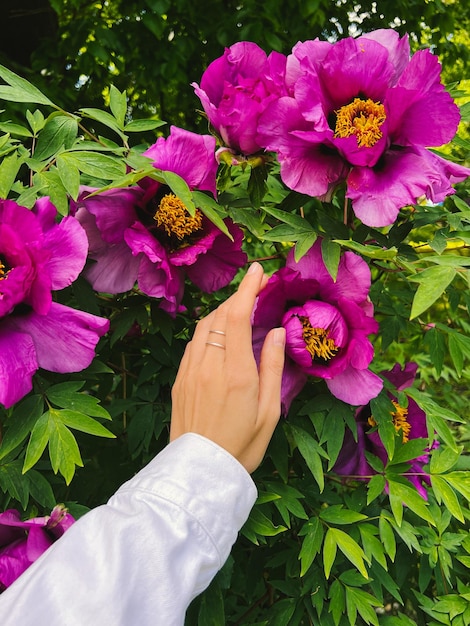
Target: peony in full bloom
{"x": 236, "y": 88}
{"x": 327, "y": 325}
{"x": 410, "y": 421}
{"x": 145, "y": 234}
{"x": 22, "y": 542}
{"x": 37, "y": 256}
{"x": 363, "y": 112}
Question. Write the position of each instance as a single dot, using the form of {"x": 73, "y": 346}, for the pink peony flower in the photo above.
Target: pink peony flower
{"x": 22, "y": 542}
{"x": 145, "y": 234}
{"x": 362, "y": 111}
{"x": 37, "y": 256}
{"x": 410, "y": 421}
{"x": 236, "y": 88}
{"x": 327, "y": 325}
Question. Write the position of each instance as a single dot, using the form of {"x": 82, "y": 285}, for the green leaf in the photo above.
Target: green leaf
{"x": 63, "y": 450}
{"x": 387, "y": 537}
{"x": 409, "y": 450}
{"x": 37, "y": 442}
{"x": 118, "y": 104}
{"x": 303, "y": 245}
{"x": 211, "y": 209}
{"x": 96, "y": 164}
{"x": 337, "y": 514}
{"x": 22, "y": 421}
{"x": 406, "y": 494}
{"x": 359, "y": 601}
{"x": 180, "y": 188}
{"x": 460, "y": 481}
{"x": 351, "y": 549}
{"x": 443, "y": 459}
{"x": 372, "y": 546}
{"x": 329, "y": 552}
{"x": 375, "y": 487}
{"x": 15, "y": 129}
{"x": 331, "y": 253}
{"x": 456, "y": 354}
{"x": 370, "y": 251}
{"x": 212, "y": 609}
{"x": 104, "y": 118}
{"x": 65, "y": 396}
{"x": 142, "y": 126}
{"x": 435, "y": 341}
{"x": 59, "y": 133}
{"x": 20, "y": 90}
{"x": 298, "y": 223}
{"x": 311, "y": 544}
{"x": 333, "y": 434}
{"x": 9, "y": 168}
{"x": 433, "y": 282}
{"x": 84, "y": 423}
{"x": 259, "y": 524}
{"x": 69, "y": 175}
{"x": 435, "y": 415}
{"x": 444, "y": 493}
{"x": 286, "y": 232}
{"x": 311, "y": 452}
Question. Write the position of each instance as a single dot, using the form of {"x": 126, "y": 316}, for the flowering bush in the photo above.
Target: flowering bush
{"x": 112, "y": 246}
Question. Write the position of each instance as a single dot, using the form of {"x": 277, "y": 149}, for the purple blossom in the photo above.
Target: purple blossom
{"x": 236, "y": 88}
{"x": 361, "y": 111}
{"x": 22, "y": 542}
{"x": 39, "y": 255}
{"x": 410, "y": 421}
{"x": 145, "y": 234}
{"x": 327, "y": 325}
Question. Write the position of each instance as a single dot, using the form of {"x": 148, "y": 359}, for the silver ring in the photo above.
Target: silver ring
{"x": 217, "y": 345}
{"x": 217, "y": 332}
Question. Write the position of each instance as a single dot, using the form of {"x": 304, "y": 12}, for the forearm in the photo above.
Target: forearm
{"x": 145, "y": 555}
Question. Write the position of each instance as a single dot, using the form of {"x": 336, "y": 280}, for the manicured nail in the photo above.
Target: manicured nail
{"x": 279, "y": 336}
{"x": 254, "y": 268}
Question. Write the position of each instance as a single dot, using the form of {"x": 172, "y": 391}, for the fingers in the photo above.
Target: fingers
{"x": 238, "y": 317}
{"x": 270, "y": 375}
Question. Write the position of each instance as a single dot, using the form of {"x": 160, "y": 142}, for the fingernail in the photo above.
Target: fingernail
{"x": 279, "y": 336}
{"x": 254, "y": 268}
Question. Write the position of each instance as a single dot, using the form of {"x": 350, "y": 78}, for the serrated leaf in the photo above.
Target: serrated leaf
{"x": 433, "y": 282}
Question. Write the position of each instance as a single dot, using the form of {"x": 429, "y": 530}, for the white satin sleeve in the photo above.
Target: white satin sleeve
{"x": 141, "y": 558}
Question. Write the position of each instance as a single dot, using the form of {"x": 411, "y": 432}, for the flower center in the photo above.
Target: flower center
{"x": 174, "y": 218}
{"x": 400, "y": 421}
{"x": 3, "y": 270}
{"x": 362, "y": 118}
{"x": 317, "y": 341}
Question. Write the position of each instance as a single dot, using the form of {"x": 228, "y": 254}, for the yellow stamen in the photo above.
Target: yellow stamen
{"x": 399, "y": 419}
{"x": 3, "y": 271}
{"x": 362, "y": 118}
{"x": 317, "y": 342}
{"x": 175, "y": 219}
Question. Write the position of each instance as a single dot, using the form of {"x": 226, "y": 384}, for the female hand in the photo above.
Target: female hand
{"x": 218, "y": 392}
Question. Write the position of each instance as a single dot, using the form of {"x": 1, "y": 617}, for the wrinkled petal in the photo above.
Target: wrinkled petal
{"x": 69, "y": 246}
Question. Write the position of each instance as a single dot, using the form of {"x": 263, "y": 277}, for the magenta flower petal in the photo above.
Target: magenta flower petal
{"x": 355, "y": 386}
{"x": 18, "y": 363}
{"x": 236, "y": 88}
{"x": 326, "y": 332}
{"x": 69, "y": 246}
{"x": 371, "y": 112}
{"x": 65, "y": 339}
